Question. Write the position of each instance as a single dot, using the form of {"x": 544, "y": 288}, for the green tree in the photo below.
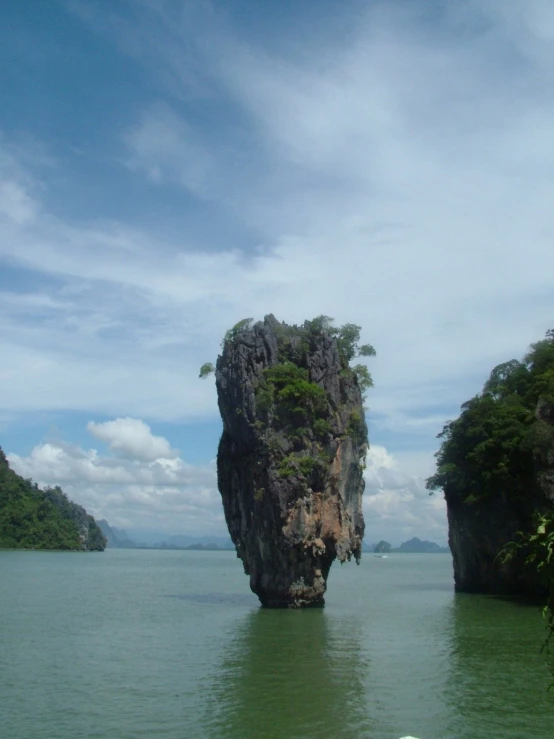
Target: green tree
{"x": 537, "y": 549}
{"x": 243, "y": 325}
{"x": 206, "y": 370}
{"x": 346, "y": 336}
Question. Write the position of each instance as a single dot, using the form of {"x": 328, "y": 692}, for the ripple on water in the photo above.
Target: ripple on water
{"x": 168, "y": 646}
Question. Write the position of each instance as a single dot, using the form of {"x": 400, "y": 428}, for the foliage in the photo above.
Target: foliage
{"x": 356, "y": 425}
{"x": 294, "y": 464}
{"x": 206, "y": 369}
{"x": 286, "y": 391}
{"x": 493, "y": 450}
{"x": 537, "y": 549}
{"x": 295, "y": 343}
{"x": 31, "y": 518}
{"x": 322, "y": 427}
{"x": 483, "y": 453}
{"x": 320, "y": 325}
{"x": 365, "y": 381}
{"x": 243, "y": 325}
{"x": 347, "y": 336}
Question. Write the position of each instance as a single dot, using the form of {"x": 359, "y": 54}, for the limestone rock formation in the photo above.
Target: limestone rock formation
{"x": 496, "y": 469}
{"x": 480, "y": 530}
{"x": 290, "y": 457}
{"x": 477, "y": 533}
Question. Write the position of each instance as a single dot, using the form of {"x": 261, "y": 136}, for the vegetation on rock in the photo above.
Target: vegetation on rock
{"x": 498, "y": 446}
{"x": 206, "y": 369}
{"x": 31, "y": 518}
{"x": 291, "y": 406}
{"x": 499, "y": 455}
{"x": 295, "y": 342}
{"x": 290, "y": 458}
{"x": 537, "y": 549}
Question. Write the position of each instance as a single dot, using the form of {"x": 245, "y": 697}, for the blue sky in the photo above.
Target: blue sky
{"x": 168, "y": 168}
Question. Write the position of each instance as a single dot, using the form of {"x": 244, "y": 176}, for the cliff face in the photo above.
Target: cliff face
{"x": 479, "y": 530}
{"x": 290, "y": 459}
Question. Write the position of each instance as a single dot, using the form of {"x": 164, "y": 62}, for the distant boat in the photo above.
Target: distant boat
{"x": 386, "y": 556}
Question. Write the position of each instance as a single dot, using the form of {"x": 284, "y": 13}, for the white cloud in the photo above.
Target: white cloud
{"x": 141, "y": 490}
{"x": 165, "y": 147}
{"x": 399, "y": 177}
{"x": 396, "y": 505}
{"x": 18, "y": 204}
{"x": 15, "y": 203}
{"x": 131, "y": 437}
{"x": 163, "y": 493}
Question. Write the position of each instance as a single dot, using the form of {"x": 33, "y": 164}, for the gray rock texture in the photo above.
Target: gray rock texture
{"x": 290, "y": 459}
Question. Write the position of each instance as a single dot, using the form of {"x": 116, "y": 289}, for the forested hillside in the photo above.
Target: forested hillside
{"x": 31, "y": 518}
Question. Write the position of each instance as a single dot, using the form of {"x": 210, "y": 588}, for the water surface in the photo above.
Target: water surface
{"x": 172, "y": 645}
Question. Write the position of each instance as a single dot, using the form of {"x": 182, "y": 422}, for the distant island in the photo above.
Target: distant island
{"x": 116, "y": 538}
{"x": 119, "y": 539}
{"x": 31, "y": 518}
{"x": 412, "y": 546}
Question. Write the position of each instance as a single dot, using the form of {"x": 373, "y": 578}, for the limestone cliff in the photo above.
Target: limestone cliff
{"x": 290, "y": 457}
{"x": 496, "y": 468}
{"x": 479, "y": 531}
{"x": 476, "y": 535}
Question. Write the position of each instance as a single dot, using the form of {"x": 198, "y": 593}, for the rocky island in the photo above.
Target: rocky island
{"x": 496, "y": 468}
{"x": 290, "y": 458}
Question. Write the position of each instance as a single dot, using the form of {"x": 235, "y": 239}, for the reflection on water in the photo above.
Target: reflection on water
{"x": 498, "y": 680}
{"x": 93, "y": 647}
{"x": 291, "y": 674}
{"x": 242, "y": 600}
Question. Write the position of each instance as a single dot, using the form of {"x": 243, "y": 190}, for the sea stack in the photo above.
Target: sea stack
{"x": 496, "y": 469}
{"x": 290, "y": 459}
{"x": 478, "y": 532}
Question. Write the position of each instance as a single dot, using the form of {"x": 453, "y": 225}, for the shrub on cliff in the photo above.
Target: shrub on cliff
{"x": 289, "y": 405}
{"x": 537, "y": 546}
{"x": 296, "y": 340}
{"x": 498, "y": 444}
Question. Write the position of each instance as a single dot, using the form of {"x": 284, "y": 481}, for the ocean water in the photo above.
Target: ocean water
{"x": 136, "y": 644}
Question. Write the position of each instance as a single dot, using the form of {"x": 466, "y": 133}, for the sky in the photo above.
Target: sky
{"x": 168, "y": 168}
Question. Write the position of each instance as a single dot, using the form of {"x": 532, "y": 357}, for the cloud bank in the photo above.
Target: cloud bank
{"x": 143, "y": 483}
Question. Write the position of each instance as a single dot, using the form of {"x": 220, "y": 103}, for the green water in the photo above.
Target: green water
{"x": 172, "y": 645}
